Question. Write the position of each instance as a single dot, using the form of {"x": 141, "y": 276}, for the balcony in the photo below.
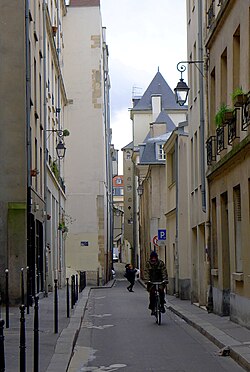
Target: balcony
{"x": 210, "y": 15}
{"x": 211, "y": 150}
{"x": 232, "y": 128}
{"x": 246, "y": 114}
{"x": 220, "y": 139}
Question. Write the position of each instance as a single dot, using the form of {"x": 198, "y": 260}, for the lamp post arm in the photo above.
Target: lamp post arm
{"x": 181, "y": 66}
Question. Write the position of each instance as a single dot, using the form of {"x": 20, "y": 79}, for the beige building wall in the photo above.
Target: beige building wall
{"x": 177, "y": 212}
{"x": 128, "y": 175}
{"x": 27, "y": 156}
{"x": 198, "y": 233}
{"x": 85, "y": 168}
{"x": 227, "y": 41}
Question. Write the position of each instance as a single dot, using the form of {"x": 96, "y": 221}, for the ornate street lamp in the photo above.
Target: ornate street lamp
{"x": 140, "y": 190}
{"x": 60, "y": 150}
{"x": 182, "y": 90}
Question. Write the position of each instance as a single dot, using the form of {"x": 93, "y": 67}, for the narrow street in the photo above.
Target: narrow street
{"x": 118, "y": 334}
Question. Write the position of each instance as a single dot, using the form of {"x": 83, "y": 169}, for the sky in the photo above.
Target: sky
{"x": 142, "y": 36}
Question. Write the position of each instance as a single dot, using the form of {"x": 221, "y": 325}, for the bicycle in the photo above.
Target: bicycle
{"x": 157, "y": 308}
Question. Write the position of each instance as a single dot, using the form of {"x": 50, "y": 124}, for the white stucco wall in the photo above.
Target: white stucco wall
{"x": 85, "y": 163}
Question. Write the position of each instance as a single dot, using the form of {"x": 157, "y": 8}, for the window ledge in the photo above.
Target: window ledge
{"x": 214, "y": 272}
{"x": 239, "y": 277}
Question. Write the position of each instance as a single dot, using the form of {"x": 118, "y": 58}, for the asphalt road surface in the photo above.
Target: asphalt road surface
{"x": 119, "y": 334}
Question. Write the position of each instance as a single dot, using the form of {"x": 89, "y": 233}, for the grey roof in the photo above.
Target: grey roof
{"x": 165, "y": 118}
{"x": 158, "y": 86}
{"x": 149, "y": 149}
{"x": 128, "y": 146}
{"x": 148, "y": 155}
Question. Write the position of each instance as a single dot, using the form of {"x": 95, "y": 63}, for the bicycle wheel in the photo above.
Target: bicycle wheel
{"x": 158, "y": 311}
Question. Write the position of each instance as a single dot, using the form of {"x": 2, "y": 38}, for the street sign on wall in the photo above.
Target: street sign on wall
{"x": 155, "y": 240}
{"x": 162, "y": 234}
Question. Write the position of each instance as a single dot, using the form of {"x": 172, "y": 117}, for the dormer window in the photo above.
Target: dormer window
{"x": 128, "y": 155}
{"x": 161, "y": 153}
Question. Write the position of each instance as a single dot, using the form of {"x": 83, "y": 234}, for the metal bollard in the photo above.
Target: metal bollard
{"x": 36, "y": 336}
{"x": 7, "y": 301}
{"x": 55, "y": 307}
{"x": 72, "y": 292}
{"x": 76, "y": 294}
{"x": 22, "y": 287}
{"x": 2, "y": 356}
{"x": 22, "y": 346}
{"x": 27, "y": 290}
{"x": 67, "y": 296}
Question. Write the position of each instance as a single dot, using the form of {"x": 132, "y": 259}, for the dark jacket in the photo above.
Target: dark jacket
{"x": 155, "y": 272}
{"x": 130, "y": 274}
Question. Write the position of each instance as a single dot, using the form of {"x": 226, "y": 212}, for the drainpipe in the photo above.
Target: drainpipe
{"x": 45, "y": 147}
{"x": 108, "y": 162}
{"x": 202, "y": 156}
{"x": 28, "y": 133}
{"x": 177, "y": 218}
{"x": 58, "y": 114}
{"x": 202, "y": 123}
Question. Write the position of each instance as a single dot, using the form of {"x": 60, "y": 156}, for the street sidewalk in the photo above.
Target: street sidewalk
{"x": 230, "y": 337}
{"x": 55, "y": 350}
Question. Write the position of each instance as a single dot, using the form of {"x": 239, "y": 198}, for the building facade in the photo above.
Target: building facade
{"x": 227, "y": 42}
{"x": 88, "y": 163}
{"x": 128, "y": 172}
{"x": 154, "y": 116}
{"x": 33, "y": 101}
{"x": 118, "y": 217}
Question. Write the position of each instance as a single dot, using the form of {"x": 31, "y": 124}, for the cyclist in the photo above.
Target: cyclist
{"x": 155, "y": 271}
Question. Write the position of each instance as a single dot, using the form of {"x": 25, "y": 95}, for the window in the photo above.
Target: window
{"x": 161, "y": 154}
{"x": 117, "y": 191}
{"x": 118, "y": 181}
{"x": 128, "y": 155}
{"x": 129, "y": 188}
{"x": 173, "y": 167}
{"x": 237, "y": 226}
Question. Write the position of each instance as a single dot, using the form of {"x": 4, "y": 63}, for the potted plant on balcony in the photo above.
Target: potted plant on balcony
{"x": 62, "y": 227}
{"x": 223, "y": 115}
{"x": 239, "y": 97}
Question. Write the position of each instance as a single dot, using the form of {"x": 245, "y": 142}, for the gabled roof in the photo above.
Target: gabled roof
{"x": 128, "y": 146}
{"x": 163, "y": 117}
{"x": 158, "y": 86}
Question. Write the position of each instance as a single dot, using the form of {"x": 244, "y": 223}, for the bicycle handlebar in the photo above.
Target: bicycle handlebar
{"x": 158, "y": 283}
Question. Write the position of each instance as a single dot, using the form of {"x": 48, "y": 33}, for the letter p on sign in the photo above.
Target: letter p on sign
{"x": 162, "y": 234}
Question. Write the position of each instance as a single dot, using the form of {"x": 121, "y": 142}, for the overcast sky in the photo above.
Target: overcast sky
{"x": 142, "y": 35}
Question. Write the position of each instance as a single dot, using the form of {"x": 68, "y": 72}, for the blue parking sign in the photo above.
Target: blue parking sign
{"x": 162, "y": 234}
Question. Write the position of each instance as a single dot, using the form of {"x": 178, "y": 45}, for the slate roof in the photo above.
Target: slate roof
{"x": 158, "y": 86}
{"x": 128, "y": 146}
{"x": 163, "y": 117}
{"x": 149, "y": 151}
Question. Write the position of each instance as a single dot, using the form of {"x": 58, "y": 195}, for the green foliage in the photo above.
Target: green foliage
{"x": 66, "y": 133}
{"x": 220, "y": 115}
{"x": 55, "y": 169}
{"x": 239, "y": 97}
{"x": 237, "y": 92}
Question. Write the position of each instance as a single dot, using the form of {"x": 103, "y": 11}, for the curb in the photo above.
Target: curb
{"x": 67, "y": 340}
{"x": 215, "y": 335}
{"x": 218, "y": 337}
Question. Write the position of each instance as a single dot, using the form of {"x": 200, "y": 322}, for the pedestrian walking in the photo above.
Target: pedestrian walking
{"x": 130, "y": 275}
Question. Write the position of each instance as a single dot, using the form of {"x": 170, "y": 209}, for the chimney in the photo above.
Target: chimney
{"x": 156, "y": 105}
